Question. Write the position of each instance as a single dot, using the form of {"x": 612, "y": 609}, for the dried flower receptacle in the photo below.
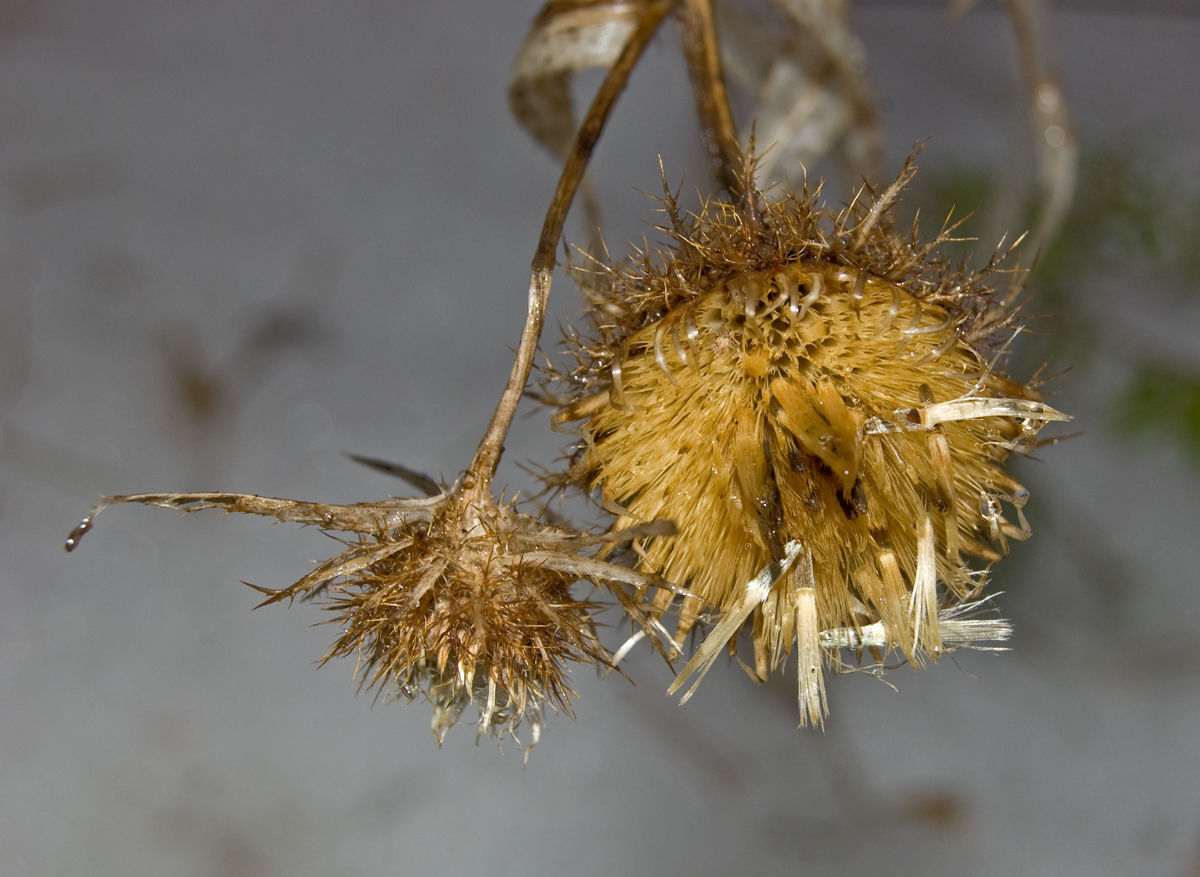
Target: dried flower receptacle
{"x": 455, "y": 597}
{"x": 781, "y": 377}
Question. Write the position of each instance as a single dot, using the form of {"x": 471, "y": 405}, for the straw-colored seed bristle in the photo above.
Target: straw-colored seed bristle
{"x": 892, "y": 604}
{"x": 809, "y": 657}
{"x": 827, "y": 395}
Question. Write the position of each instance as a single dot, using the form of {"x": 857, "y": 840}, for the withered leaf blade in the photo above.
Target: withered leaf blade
{"x": 419, "y": 480}
{"x": 809, "y": 81}
{"x": 566, "y": 37}
{"x": 343, "y": 566}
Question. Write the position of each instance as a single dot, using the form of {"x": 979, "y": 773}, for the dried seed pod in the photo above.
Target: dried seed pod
{"x": 455, "y": 597}
{"x": 829, "y": 391}
{"x": 450, "y": 610}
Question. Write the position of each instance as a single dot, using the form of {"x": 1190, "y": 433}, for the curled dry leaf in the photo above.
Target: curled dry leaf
{"x": 566, "y": 37}
{"x": 810, "y": 86}
{"x": 805, "y": 69}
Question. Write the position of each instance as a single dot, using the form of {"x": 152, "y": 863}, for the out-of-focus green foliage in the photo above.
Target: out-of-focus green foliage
{"x": 1164, "y": 399}
{"x": 1127, "y": 218}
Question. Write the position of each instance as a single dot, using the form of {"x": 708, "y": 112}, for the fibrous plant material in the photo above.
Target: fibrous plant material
{"x": 447, "y": 597}
{"x": 798, "y": 62}
{"x": 813, "y": 392}
{"x": 793, "y": 413}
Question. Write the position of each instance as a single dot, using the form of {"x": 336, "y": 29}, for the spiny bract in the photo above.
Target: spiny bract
{"x": 449, "y": 609}
{"x": 808, "y": 398}
{"x": 454, "y": 596}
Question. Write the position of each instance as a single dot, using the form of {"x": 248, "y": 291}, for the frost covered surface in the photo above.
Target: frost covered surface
{"x": 181, "y": 179}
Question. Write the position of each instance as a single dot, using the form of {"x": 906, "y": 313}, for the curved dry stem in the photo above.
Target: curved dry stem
{"x": 699, "y": 36}
{"x": 362, "y": 518}
{"x": 487, "y": 455}
{"x": 1055, "y": 146}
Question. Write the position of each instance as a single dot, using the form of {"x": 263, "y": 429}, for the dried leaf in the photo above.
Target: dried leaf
{"x": 567, "y": 36}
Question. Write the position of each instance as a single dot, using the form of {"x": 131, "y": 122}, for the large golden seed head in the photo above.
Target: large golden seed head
{"x": 809, "y": 402}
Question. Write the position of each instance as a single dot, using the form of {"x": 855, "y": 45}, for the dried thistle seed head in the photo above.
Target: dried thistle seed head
{"x": 454, "y": 597}
{"x": 806, "y": 394}
{"x": 449, "y": 610}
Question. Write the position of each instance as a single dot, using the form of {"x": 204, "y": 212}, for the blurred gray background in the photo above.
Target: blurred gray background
{"x": 240, "y": 238}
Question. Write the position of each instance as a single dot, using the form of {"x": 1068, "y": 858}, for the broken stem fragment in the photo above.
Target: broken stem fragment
{"x": 703, "y": 55}
{"x": 360, "y": 518}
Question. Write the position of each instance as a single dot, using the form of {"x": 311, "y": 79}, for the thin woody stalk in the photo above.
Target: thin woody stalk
{"x": 491, "y": 446}
{"x": 1054, "y": 145}
{"x": 699, "y": 36}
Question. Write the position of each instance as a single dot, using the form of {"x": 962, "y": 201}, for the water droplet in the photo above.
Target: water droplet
{"x": 77, "y": 533}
